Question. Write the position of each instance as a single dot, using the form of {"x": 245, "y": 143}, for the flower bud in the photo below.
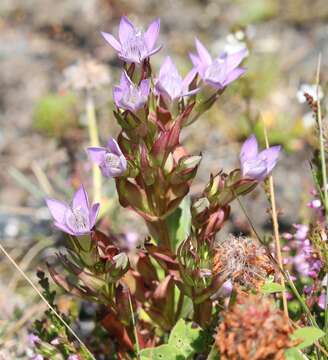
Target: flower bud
{"x": 257, "y": 165}
{"x": 110, "y": 160}
{"x": 186, "y": 169}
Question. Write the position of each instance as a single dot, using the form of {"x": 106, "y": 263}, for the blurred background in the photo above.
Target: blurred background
{"x": 43, "y": 133}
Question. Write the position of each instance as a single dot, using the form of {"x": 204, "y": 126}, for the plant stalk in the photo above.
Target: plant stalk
{"x": 323, "y": 170}
{"x": 160, "y": 232}
{"x": 134, "y": 326}
{"x": 276, "y": 230}
{"x": 94, "y": 141}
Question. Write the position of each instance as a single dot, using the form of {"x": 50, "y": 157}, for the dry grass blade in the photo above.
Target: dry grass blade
{"x": 51, "y": 308}
{"x": 25, "y": 262}
{"x": 42, "y": 178}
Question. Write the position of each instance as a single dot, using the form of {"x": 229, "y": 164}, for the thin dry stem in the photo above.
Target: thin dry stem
{"x": 42, "y": 178}
{"x": 94, "y": 141}
{"x": 276, "y": 230}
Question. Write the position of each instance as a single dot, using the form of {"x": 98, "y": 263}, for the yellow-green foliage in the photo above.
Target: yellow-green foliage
{"x": 285, "y": 132}
{"x": 55, "y": 114}
{"x": 257, "y": 10}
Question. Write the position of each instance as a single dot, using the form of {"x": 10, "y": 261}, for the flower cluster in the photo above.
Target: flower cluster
{"x": 153, "y": 173}
{"x": 304, "y": 258}
{"x": 150, "y": 135}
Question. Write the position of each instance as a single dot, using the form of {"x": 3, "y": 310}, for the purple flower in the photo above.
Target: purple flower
{"x": 301, "y": 231}
{"x": 254, "y": 164}
{"x": 289, "y": 296}
{"x": 129, "y": 96}
{"x": 75, "y": 219}
{"x": 73, "y": 357}
{"x": 170, "y": 84}
{"x": 314, "y": 204}
{"x": 221, "y": 71}
{"x": 322, "y": 301}
{"x": 110, "y": 159}
{"x": 134, "y": 45}
{"x": 33, "y": 339}
{"x": 304, "y": 260}
{"x": 308, "y": 289}
{"x": 301, "y": 264}
{"x": 55, "y": 341}
{"x": 226, "y": 289}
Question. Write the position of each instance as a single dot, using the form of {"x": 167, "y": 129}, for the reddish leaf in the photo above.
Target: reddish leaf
{"x": 116, "y": 329}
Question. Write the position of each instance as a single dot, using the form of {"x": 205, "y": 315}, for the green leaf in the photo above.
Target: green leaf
{"x": 294, "y": 354}
{"x": 308, "y": 334}
{"x": 184, "y": 342}
{"x": 163, "y": 352}
{"x": 179, "y": 223}
{"x": 186, "y": 339}
{"x": 187, "y": 307}
{"x": 271, "y": 287}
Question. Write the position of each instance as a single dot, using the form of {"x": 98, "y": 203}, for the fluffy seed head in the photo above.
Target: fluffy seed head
{"x": 243, "y": 261}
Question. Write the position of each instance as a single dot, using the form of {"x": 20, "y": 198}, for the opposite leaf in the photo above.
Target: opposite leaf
{"x": 271, "y": 287}
{"x": 186, "y": 339}
{"x": 308, "y": 335}
{"x": 294, "y": 354}
{"x": 163, "y": 352}
{"x": 179, "y": 223}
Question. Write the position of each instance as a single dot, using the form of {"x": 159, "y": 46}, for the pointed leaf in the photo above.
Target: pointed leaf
{"x": 179, "y": 223}
{"x": 294, "y": 354}
{"x": 163, "y": 352}
{"x": 308, "y": 334}
{"x": 271, "y": 287}
{"x": 187, "y": 339}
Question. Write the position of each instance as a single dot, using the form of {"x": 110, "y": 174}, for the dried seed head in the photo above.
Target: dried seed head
{"x": 86, "y": 74}
{"x": 253, "y": 329}
{"x": 243, "y": 261}
{"x": 311, "y": 102}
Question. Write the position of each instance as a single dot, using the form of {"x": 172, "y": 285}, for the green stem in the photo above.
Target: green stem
{"x": 160, "y": 232}
{"x": 323, "y": 170}
{"x": 212, "y": 98}
{"x": 202, "y": 313}
{"x": 301, "y": 300}
{"x": 180, "y": 306}
{"x": 134, "y": 327}
{"x": 94, "y": 141}
{"x": 326, "y": 308}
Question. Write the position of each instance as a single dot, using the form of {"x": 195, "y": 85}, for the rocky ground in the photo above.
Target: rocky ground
{"x": 40, "y": 38}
